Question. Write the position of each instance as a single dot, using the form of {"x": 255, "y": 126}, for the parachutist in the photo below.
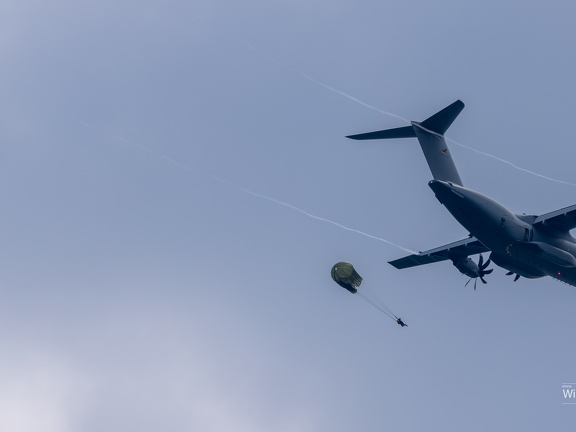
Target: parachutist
{"x": 400, "y": 322}
{"x": 344, "y": 274}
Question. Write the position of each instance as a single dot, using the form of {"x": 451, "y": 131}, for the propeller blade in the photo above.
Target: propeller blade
{"x": 509, "y": 273}
{"x": 480, "y": 272}
{"x": 517, "y": 277}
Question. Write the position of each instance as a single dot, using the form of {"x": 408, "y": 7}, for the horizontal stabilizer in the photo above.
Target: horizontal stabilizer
{"x": 401, "y": 132}
{"x": 430, "y": 134}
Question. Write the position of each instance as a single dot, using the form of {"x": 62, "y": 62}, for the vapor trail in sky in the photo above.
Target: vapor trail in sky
{"x": 352, "y": 98}
{"x": 358, "y": 101}
{"x": 310, "y": 215}
{"x": 327, "y": 87}
{"x": 510, "y": 163}
{"x": 372, "y": 107}
{"x": 248, "y": 191}
{"x": 116, "y": 137}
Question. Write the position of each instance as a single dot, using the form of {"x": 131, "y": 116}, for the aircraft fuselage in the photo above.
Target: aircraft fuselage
{"x": 516, "y": 244}
{"x": 527, "y": 245}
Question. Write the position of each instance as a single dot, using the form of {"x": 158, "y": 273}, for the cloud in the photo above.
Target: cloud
{"x": 40, "y": 391}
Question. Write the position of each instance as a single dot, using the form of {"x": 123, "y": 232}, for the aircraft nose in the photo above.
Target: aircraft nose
{"x": 441, "y": 189}
{"x": 439, "y": 186}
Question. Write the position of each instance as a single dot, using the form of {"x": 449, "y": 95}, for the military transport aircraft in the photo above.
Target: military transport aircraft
{"x": 530, "y": 246}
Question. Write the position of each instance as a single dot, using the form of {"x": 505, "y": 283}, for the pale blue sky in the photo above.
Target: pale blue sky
{"x": 139, "y": 292}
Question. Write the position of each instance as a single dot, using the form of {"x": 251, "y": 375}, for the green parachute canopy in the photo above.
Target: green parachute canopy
{"x": 346, "y": 276}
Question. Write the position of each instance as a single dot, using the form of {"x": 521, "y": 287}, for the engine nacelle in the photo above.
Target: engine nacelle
{"x": 466, "y": 266}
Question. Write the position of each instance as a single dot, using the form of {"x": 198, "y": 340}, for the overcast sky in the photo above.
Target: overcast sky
{"x": 176, "y": 185}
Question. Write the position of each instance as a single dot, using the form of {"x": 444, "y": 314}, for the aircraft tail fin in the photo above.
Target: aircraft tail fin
{"x": 430, "y": 134}
{"x": 443, "y": 119}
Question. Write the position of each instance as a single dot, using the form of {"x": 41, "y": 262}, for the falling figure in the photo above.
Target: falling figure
{"x": 347, "y": 277}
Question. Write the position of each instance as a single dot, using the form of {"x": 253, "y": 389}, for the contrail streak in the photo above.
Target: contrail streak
{"x": 504, "y": 161}
{"x": 178, "y": 164}
{"x": 310, "y": 215}
{"x": 116, "y": 137}
{"x": 372, "y": 107}
{"x": 352, "y": 98}
{"x": 510, "y": 163}
{"x": 326, "y": 86}
{"x": 248, "y": 191}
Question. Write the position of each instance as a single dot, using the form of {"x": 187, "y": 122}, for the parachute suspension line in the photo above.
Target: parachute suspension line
{"x": 377, "y": 307}
{"x": 373, "y": 303}
{"x": 371, "y": 295}
{"x": 344, "y": 274}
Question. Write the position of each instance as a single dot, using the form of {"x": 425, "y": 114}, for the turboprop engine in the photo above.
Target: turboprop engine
{"x": 469, "y": 268}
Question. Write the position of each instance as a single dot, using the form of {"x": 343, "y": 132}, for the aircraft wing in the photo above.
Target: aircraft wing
{"x": 563, "y": 219}
{"x": 468, "y": 246}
